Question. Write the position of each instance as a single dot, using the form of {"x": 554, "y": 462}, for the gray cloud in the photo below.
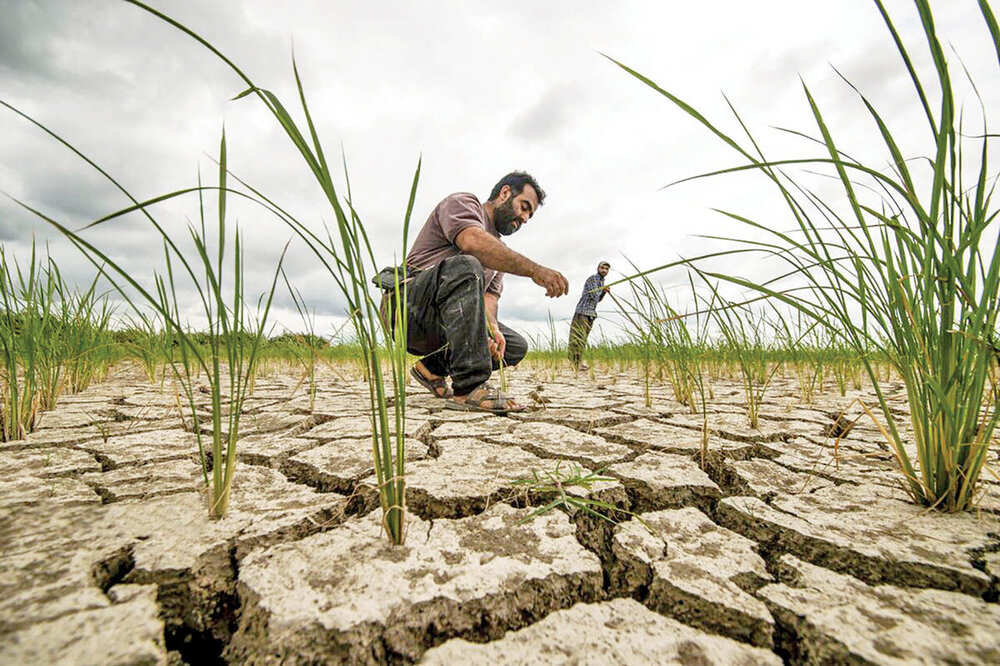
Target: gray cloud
{"x": 475, "y": 89}
{"x": 549, "y": 116}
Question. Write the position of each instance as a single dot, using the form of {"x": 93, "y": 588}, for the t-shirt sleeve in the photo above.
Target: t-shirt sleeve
{"x": 458, "y": 213}
{"x": 496, "y": 285}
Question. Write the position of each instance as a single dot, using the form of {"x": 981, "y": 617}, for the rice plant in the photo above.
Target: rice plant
{"x": 905, "y": 257}
{"x": 804, "y": 352}
{"x": 24, "y": 318}
{"x": 347, "y": 256}
{"x": 746, "y": 343}
{"x": 305, "y": 347}
{"x": 228, "y": 361}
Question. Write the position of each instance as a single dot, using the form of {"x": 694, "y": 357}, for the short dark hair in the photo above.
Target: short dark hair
{"x": 517, "y": 180}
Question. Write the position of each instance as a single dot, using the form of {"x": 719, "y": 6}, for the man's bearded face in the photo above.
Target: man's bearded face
{"x": 505, "y": 219}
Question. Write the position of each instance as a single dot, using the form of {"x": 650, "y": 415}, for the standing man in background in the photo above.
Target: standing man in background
{"x": 586, "y": 312}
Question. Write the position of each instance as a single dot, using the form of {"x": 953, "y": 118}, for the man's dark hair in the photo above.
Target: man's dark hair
{"x": 517, "y": 180}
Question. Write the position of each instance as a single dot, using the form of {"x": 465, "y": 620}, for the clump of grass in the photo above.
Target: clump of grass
{"x": 86, "y": 336}
{"x": 905, "y": 258}
{"x": 51, "y": 340}
{"x": 24, "y": 320}
{"x": 561, "y": 483}
{"x": 307, "y": 347}
{"x": 746, "y": 344}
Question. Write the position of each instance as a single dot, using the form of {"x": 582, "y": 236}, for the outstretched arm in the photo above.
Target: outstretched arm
{"x": 493, "y": 254}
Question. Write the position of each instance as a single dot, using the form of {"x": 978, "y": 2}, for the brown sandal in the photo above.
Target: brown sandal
{"x": 432, "y": 385}
{"x": 485, "y": 393}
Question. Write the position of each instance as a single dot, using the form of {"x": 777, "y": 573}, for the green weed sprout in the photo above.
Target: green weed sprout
{"x": 558, "y": 482}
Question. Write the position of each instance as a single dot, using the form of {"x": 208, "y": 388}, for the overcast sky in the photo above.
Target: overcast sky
{"x": 475, "y": 89}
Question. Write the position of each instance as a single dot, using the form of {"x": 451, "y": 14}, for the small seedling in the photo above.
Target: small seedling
{"x": 557, "y": 481}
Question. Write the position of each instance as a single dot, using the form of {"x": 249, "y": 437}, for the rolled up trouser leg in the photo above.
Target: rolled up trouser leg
{"x": 447, "y": 322}
{"x": 579, "y": 330}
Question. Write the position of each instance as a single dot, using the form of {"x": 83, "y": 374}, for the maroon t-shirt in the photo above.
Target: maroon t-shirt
{"x": 436, "y": 240}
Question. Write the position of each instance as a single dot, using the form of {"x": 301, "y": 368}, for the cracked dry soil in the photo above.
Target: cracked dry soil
{"x": 784, "y": 549}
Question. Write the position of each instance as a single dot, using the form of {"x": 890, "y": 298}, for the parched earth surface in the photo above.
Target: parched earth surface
{"x": 780, "y": 543}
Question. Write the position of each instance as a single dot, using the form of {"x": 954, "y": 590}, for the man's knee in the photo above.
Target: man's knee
{"x": 517, "y": 347}
{"x": 461, "y": 265}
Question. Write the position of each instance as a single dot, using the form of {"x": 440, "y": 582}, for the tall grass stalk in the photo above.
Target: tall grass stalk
{"x": 911, "y": 261}
{"x": 233, "y": 342}
{"x": 347, "y": 256}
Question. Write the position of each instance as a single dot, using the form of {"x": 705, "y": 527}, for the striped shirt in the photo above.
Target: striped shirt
{"x": 592, "y": 294}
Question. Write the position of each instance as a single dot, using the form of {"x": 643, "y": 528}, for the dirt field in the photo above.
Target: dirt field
{"x": 781, "y": 550}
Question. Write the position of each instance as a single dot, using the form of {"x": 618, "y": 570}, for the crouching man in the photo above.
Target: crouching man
{"x": 461, "y": 262}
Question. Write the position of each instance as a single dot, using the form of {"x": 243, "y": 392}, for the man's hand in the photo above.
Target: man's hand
{"x": 498, "y": 343}
{"x": 555, "y": 283}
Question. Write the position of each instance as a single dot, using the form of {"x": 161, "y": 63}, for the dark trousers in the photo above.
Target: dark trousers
{"x": 579, "y": 330}
{"x": 446, "y": 324}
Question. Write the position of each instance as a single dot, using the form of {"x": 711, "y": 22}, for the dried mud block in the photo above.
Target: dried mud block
{"x": 171, "y": 542}
{"x": 421, "y": 398}
{"x": 61, "y": 417}
{"x": 557, "y": 396}
{"x": 454, "y": 416}
{"x": 802, "y": 455}
{"x": 992, "y": 565}
{"x": 339, "y": 465}
{"x": 734, "y": 425}
{"x": 548, "y": 440}
{"x": 129, "y": 632}
{"x": 45, "y": 571}
{"x": 673, "y": 439}
{"x": 639, "y": 410}
{"x": 348, "y": 596}
{"x": 666, "y": 481}
{"x": 584, "y": 420}
{"x": 361, "y": 426}
{"x": 628, "y": 388}
{"x": 854, "y": 530}
{"x": 694, "y": 571}
{"x": 172, "y": 532}
{"x": 144, "y": 447}
{"x": 496, "y": 425}
{"x": 53, "y": 437}
{"x": 138, "y": 482}
{"x": 335, "y": 405}
{"x": 271, "y": 449}
{"x": 465, "y": 478}
{"x": 267, "y": 422}
{"x": 21, "y": 491}
{"x": 151, "y": 412}
{"x": 621, "y": 631}
{"x": 831, "y": 618}
{"x": 48, "y": 463}
{"x": 764, "y": 479}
